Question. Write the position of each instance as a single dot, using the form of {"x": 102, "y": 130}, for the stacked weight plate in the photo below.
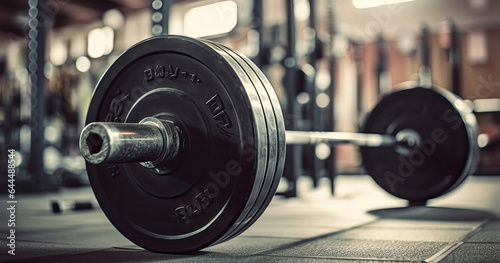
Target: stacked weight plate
{"x": 248, "y": 71}
{"x": 232, "y": 153}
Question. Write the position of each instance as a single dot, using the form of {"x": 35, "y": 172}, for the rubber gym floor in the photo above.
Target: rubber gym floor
{"x": 360, "y": 223}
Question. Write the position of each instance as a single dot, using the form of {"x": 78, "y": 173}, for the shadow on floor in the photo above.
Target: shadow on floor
{"x": 433, "y": 214}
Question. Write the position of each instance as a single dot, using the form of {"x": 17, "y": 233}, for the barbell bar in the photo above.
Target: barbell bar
{"x": 185, "y": 143}
{"x": 145, "y": 142}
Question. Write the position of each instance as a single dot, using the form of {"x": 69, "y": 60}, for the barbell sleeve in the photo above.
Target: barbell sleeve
{"x": 151, "y": 142}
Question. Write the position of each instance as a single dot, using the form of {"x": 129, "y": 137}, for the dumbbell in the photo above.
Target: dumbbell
{"x": 185, "y": 143}
{"x": 59, "y": 206}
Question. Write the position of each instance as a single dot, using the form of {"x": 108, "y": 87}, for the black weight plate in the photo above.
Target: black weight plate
{"x": 269, "y": 163}
{"x": 446, "y": 155}
{"x": 268, "y": 184}
{"x": 201, "y": 195}
{"x": 272, "y": 106}
{"x": 253, "y": 214}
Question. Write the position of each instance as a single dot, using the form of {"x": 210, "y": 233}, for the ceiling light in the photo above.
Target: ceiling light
{"x": 361, "y": 4}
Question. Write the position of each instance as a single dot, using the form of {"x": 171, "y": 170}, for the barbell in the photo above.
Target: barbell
{"x": 185, "y": 143}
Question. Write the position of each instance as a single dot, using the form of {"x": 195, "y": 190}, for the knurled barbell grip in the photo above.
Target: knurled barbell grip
{"x": 360, "y": 139}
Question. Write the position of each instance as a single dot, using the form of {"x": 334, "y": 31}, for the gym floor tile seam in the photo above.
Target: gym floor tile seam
{"x": 474, "y": 252}
{"x": 342, "y": 259}
{"x": 455, "y": 245}
{"x": 443, "y": 252}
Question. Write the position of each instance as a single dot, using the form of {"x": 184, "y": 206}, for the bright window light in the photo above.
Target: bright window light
{"x": 96, "y": 43}
{"x": 113, "y": 18}
{"x": 210, "y": 20}
{"x": 100, "y": 42}
{"x": 302, "y": 10}
{"x": 360, "y": 4}
{"x": 109, "y": 36}
{"x": 82, "y": 64}
{"x": 322, "y": 151}
{"x": 322, "y": 100}
{"x": 58, "y": 53}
